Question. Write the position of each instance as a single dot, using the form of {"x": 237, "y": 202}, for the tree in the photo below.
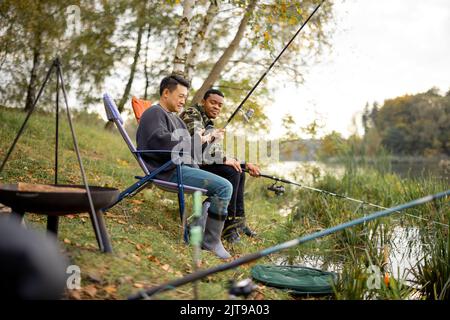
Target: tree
{"x": 214, "y": 74}
{"x": 36, "y": 32}
{"x": 179, "y": 62}
{"x": 412, "y": 124}
{"x": 212, "y": 42}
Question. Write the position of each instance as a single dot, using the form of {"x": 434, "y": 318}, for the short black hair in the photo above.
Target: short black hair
{"x": 171, "y": 82}
{"x": 212, "y": 91}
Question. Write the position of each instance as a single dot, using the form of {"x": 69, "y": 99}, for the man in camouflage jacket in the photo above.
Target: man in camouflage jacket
{"x": 199, "y": 120}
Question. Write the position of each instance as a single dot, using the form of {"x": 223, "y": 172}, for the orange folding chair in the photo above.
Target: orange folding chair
{"x": 139, "y": 106}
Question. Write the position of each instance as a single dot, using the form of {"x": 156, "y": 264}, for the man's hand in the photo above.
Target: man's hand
{"x": 215, "y": 134}
{"x": 253, "y": 170}
{"x": 233, "y": 163}
{"x": 218, "y": 133}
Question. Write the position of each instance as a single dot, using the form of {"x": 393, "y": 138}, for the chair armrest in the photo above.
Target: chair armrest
{"x": 159, "y": 151}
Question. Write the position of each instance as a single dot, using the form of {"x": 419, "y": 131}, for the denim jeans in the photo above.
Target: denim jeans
{"x": 219, "y": 189}
{"x": 236, "y": 208}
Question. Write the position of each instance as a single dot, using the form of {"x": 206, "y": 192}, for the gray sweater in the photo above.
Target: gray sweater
{"x": 155, "y": 133}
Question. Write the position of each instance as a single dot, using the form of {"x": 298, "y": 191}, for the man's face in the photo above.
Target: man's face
{"x": 213, "y": 104}
{"x": 176, "y": 99}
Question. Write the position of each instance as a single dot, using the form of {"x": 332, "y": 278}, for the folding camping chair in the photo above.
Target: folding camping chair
{"x": 114, "y": 116}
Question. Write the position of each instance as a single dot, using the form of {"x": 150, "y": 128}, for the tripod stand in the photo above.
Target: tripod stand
{"x": 53, "y": 219}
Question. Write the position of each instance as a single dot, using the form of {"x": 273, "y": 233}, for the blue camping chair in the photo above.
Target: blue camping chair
{"x": 114, "y": 116}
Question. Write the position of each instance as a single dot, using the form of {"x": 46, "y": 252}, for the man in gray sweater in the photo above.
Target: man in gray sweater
{"x": 160, "y": 128}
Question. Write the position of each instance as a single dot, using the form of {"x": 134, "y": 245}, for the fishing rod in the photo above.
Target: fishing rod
{"x": 271, "y": 65}
{"x": 279, "y": 190}
{"x": 145, "y": 294}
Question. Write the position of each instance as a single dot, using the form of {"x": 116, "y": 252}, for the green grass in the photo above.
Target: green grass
{"x": 146, "y": 232}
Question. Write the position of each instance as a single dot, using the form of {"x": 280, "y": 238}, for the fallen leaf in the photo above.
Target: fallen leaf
{"x": 90, "y": 290}
{"x": 167, "y": 268}
{"x": 138, "y": 247}
{"x": 138, "y": 285}
{"x": 259, "y": 296}
{"x": 153, "y": 259}
{"x": 121, "y": 222}
{"x": 67, "y": 241}
{"x": 135, "y": 201}
{"x": 110, "y": 289}
{"x": 75, "y": 294}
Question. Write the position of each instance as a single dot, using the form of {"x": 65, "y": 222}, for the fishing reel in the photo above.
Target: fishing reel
{"x": 277, "y": 189}
{"x": 242, "y": 288}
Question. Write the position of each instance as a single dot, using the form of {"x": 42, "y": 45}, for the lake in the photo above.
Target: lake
{"x": 305, "y": 171}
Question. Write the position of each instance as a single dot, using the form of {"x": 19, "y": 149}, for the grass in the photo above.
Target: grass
{"x": 146, "y": 233}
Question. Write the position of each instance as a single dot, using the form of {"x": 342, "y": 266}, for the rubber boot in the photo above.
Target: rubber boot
{"x": 245, "y": 228}
{"x": 202, "y": 220}
{"x": 212, "y": 238}
{"x": 230, "y": 231}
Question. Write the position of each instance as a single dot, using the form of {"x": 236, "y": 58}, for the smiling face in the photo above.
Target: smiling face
{"x": 212, "y": 105}
{"x": 174, "y": 100}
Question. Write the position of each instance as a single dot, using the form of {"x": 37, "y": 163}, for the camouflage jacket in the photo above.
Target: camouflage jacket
{"x": 196, "y": 119}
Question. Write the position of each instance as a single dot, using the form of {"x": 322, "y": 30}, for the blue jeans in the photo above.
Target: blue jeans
{"x": 219, "y": 189}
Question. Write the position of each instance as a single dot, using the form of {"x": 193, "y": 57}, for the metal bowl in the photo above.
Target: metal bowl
{"x": 55, "y": 199}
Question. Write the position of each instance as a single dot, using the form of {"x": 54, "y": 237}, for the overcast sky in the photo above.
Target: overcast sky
{"x": 381, "y": 49}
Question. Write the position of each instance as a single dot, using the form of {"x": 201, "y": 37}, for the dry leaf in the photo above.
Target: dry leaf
{"x": 259, "y": 296}
{"x": 153, "y": 259}
{"x": 75, "y": 294}
{"x": 138, "y": 285}
{"x": 110, "y": 289}
{"x": 135, "y": 201}
{"x": 67, "y": 241}
{"x": 166, "y": 268}
{"x": 121, "y": 222}
{"x": 138, "y": 247}
{"x": 90, "y": 290}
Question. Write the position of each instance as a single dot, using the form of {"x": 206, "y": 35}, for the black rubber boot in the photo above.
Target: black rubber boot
{"x": 230, "y": 231}
{"x": 245, "y": 228}
{"x": 249, "y": 232}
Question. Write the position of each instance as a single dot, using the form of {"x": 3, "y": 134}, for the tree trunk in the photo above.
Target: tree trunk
{"x": 199, "y": 40}
{"x": 227, "y": 54}
{"x": 146, "y": 73}
{"x": 179, "y": 61}
{"x": 125, "y": 98}
{"x": 31, "y": 91}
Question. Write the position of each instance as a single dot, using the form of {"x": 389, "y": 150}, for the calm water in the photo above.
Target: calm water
{"x": 404, "y": 249}
{"x": 305, "y": 171}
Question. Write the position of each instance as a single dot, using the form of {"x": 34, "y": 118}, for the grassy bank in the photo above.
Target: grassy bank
{"x": 146, "y": 233}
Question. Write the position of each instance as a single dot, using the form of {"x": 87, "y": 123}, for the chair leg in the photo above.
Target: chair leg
{"x": 101, "y": 234}
{"x": 19, "y": 214}
{"x": 52, "y": 224}
{"x": 181, "y": 204}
